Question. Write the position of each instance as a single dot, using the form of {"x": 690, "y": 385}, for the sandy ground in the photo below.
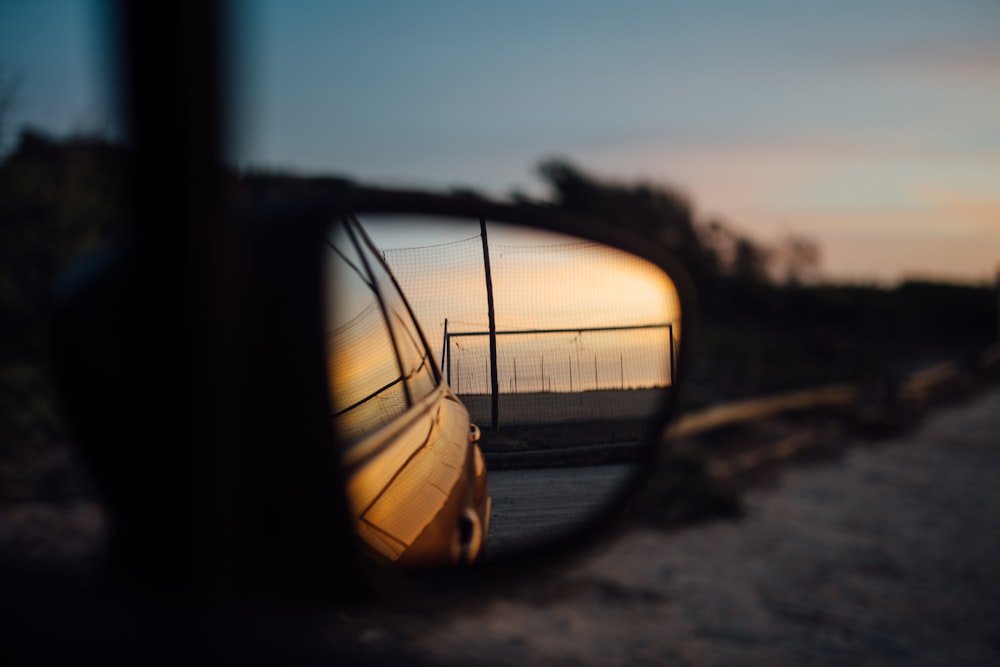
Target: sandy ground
{"x": 887, "y": 556}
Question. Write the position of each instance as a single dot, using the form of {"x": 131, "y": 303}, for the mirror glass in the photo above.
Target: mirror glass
{"x": 491, "y": 385}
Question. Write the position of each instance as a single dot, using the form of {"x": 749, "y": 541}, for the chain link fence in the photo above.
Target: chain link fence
{"x": 583, "y": 332}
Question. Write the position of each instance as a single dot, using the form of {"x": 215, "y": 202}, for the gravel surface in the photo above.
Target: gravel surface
{"x": 888, "y": 556}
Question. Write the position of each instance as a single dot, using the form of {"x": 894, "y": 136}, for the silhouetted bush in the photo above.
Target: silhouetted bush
{"x": 764, "y": 326}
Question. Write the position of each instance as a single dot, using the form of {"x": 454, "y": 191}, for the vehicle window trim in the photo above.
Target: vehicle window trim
{"x": 371, "y": 396}
{"x": 375, "y": 442}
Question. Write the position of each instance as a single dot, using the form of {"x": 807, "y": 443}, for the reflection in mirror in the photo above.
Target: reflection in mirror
{"x": 492, "y": 385}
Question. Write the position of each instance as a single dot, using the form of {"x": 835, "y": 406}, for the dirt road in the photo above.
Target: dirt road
{"x": 888, "y": 556}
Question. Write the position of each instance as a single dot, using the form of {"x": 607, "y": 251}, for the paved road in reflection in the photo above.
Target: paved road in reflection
{"x": 530, "y": 506}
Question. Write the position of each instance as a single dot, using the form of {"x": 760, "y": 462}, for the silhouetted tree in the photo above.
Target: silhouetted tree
{"x": 711, "y": 250}
{"x": 57, "y": 198}
{"x": 797, "y": 260}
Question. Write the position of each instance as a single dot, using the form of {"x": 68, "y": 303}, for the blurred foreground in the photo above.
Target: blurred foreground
{"x": 861, "y": 551}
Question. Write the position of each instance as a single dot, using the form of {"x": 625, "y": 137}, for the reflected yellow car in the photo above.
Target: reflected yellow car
{"x": 416, "y": 478}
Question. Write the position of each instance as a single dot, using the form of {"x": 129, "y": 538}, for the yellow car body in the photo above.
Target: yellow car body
{"x": 416, "y": 477}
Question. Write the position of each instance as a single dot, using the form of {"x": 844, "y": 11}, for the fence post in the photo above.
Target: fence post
{"x": 495, "y": 382}
{"x": 444, "y": 351}
{"x": 670, "y": 329}
{"x": 571, "y": 373}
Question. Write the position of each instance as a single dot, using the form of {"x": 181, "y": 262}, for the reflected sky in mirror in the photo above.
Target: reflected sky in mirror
{"x": 575, "y": 289}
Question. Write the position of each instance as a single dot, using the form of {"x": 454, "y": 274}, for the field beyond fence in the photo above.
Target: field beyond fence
{"x": 547, "y": 407}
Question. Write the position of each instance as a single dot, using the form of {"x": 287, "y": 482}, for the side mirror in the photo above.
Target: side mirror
{"x": 370, "y": 392}
{"x": 498, "y": 375}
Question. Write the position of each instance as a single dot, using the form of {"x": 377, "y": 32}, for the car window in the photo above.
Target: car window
{"x": 366, "y": 382}
{"x": 416, "y": 361}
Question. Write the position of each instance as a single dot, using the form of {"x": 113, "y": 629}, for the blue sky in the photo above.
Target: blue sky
{"x": 871, "y": 126}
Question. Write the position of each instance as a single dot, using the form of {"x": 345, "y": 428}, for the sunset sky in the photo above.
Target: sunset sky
{"x": 870, "y": 126}
{"x": 541, "y": 282}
